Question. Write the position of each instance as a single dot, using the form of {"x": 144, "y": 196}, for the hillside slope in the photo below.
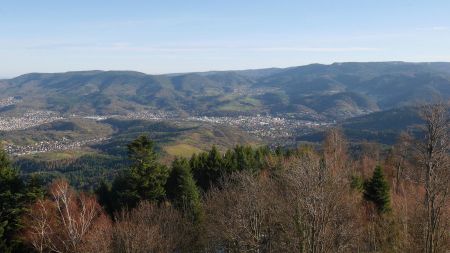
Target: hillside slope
{"x": 335, "y": 91}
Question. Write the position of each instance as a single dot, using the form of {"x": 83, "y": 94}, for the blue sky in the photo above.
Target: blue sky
{"x": 182, "y": 36}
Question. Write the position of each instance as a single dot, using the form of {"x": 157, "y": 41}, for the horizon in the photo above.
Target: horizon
{"x": 218, "y": 70}
{"x": 179, "y": 37}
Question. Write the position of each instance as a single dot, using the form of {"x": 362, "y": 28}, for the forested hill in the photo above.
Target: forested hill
{"x": 335, "y": 91}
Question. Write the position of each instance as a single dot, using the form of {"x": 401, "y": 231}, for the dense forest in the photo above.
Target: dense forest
{"x": 247, "y": 199}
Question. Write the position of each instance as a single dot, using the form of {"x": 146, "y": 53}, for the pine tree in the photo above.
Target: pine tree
{"x": 4, "y": 160}
{"x": 103, "y": 193}
{"x": 141, "y": 152}
{"x": 243, "y": 162}
{"x": 214, "y": 165}
{"x": 11, "y": 197}
{"x": 182, "y": 190}
{"x": 376, "y": 190}
{"x": 15, "y": 196}
{"x": 228, "y": 162}
{"x": 144, "y": 180}
{"x": 208, "y": 168}
{"x": 214, "y": 159}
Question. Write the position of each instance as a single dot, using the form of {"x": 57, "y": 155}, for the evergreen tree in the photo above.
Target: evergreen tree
{"x": 207, "y": 168}
{"x": 376, "y": 190}
{"x": 15, "y": 196}
{"x": 241, "y": 158}
{"x": 124, "y": 192}
{"x": 103, "y": 193}
{"x": 214, "y": 165}
{"x": 249, "y": 159}
{"x": 141, "y": 152}
{"x": 144, "y": 180}
{"x": 182, "y": 190}
{"x": 194, "y": 162}
{"x": 229, "y": 162}
{"x": 279, "y": 151}
{"x": 214, "y": 159}
{"x": 11, "y": 197}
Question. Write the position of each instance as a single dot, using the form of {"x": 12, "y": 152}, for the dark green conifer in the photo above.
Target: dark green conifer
{"x": 376, "y": 190}
{"x": 103, "y": 193}
{"x": 182, "y": 190}
{"x": 15, "y": 196}
{"x": 144, "y": 180}
{"x": 207, "y": 168}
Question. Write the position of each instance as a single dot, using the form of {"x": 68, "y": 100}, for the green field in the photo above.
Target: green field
{"x": 183, "y": 150}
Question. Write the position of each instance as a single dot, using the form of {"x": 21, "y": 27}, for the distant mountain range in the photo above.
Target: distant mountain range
{"x": 332, "y": 92}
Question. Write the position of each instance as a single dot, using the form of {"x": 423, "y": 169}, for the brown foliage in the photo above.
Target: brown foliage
{"x": 335, "y": 148}
{"x": 304, "y": 203}
{"x": 244, "y": 215}
{"x": 151, "y": 228}
{"x": 433, "y": 153}
{"x": 66, "y": 222}
{"x": 397, "y": 162}
{"x": 304, "y": 207}
{"x": 322, "y": 209}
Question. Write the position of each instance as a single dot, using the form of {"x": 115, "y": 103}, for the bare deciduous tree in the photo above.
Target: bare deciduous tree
{"x": 335, "y": 148}
{"x": 242, "y": 216}
{"x": 434, "y": 160}
{"x": 65, "y": 222}
{"x": 98, "y": 238}
{"x": 151, "y": 228}
{"x": 322, "y": 209}
{"x": 40, "y": 226}
{"x": 400, "y": 152}
{"x": 303, "y": 207}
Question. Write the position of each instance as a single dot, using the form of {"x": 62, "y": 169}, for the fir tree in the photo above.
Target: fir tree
{"x": 207, "y": 168}
{"x": 103, "y": 193}
{"x": 144, "y": 180}
{"x": 182, "y": 190}
{"x": 376, "y": 190}
{"x": 15, "y": 196}
{"x": 141, "y": 152}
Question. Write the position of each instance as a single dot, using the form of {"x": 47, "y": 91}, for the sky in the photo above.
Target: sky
{"x": 168, "y": 36}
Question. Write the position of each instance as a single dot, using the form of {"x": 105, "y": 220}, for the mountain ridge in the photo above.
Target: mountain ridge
{"x": 334, "y": 91}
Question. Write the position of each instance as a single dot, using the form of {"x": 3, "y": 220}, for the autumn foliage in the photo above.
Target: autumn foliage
{"x": 310, "y": 199}
{"x": 66, "y": 221}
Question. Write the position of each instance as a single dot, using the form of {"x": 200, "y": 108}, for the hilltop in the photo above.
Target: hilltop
{"x": 336, "y": 91}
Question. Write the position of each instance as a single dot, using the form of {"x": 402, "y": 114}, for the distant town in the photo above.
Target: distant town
{"x": 4, "y": 102}
{"x": 27, "y": 120}
{"x": 49, "y": 146}
{"x": 273, "y": 128}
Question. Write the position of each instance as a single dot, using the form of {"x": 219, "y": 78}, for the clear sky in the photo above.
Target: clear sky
{"x": 188, "y": 35}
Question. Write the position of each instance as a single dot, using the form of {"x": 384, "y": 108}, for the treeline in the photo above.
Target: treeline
{"x": 83, "y": 172}
{"x": 147, "y": 179}
{"x": 248, "y": 200}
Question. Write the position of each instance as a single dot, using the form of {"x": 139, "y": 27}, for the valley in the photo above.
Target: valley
{"x": 224, "y": 126}
{"x": 276, "y": 130}
{"x": 80, "y": 121}
{"x": 273, "y": 106}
